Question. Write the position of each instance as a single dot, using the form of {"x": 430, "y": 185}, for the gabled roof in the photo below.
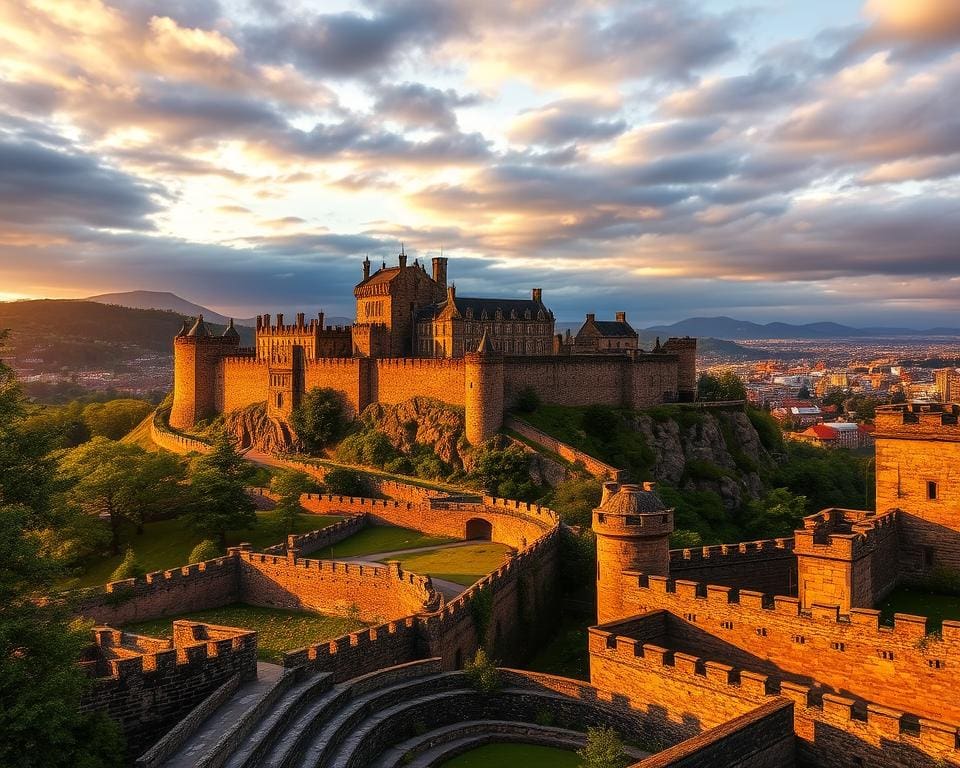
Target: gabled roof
{"x": 385, "y": 275}
{"x": 476, "y": 308}
{"x": 614, "y": 328}
{"x": 821, "y": 432}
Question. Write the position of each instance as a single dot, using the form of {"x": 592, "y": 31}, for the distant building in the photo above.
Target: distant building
{"x": 606, "y": 336}
{"x": 838, "y": 434}
{"x": 947, "y": 383}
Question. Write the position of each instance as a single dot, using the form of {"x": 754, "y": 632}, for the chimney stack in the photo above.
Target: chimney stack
{"x": 366, "y": 268}
{"x": 300, "y": 319}
{"x": 403, "y": 257}
{"x": 591, "y": 317}
{"x": 537, "y": 294}
{"x": 320, "y": 320}
{"x": 440, "y": 271}
{"x": 621, "y": 317}
{"x": 279, "y": 320}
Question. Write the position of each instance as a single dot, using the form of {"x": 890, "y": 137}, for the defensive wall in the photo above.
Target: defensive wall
{"x": 902, "y": 666}
{"x": 918, "y": 472}
{"x": 847, "y": 558}
{"x": 172, "y": 441}
{"x": 148, "y": 685}
{"x": 646, "y": 663}
{"x": 768, "y": 565}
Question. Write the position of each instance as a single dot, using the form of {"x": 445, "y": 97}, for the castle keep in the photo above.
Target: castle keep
{"x": 414, "y": 336}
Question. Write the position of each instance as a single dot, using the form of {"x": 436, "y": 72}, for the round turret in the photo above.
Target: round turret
{"x": 633, "y": 528}
{"x": 483, "y": 398}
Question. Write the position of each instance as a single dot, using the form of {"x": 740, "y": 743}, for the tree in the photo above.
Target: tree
{"x": 779, "y": 513}
{"x": 219, "y": 482}
{"x": 804, "y": 393}
{"x": 482, "y": 672}
{"x": 502, "y": 471}
{"x": 129, "y": 567}
{"x": 205, "y": 550}
{"x": 575, "y": 499}
{"x": 119, "y": 481}
{"x": 115, "y": 418}
{"x": 599, "y": 421}
{"x": 603, "y": 749}
{"x": 319, "y": 419}
{"x": 343, "y": 482}
{"x": 289, "y": 485}
{"x": 719, "y": 387}
{"x": 528, "y": 400}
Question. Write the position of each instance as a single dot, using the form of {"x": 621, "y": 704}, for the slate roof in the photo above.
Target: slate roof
{"x": 476, "y": 306}
{"x": 614, "y": 328}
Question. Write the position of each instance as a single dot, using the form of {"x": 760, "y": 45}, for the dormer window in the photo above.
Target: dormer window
{"x": 526, "y": 315}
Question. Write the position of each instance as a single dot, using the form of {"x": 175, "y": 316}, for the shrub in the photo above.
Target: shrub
{"x": 482, "y": 673}
{"x": 343, "y": 482}
{"x": 599, "y": 421}
{"x": 528, "y": 401}
{"x": 320, "y": 418}
{"x": 603, "y": 749}
{"x": 205, "y": 550}
{"x": 129, "y": 568}
{"x": 684, "y": 539}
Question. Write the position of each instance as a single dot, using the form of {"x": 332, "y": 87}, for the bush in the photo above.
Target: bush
{"x": 721, "y": 387}
{"x": 320, "y": 418}
{"x": 575, "y": 499}
{"x": 205, "y": 550}
{"x": 343, "y": 482}
{"x": 528, "y": 401}
{"x": 507, "y": 469}
{"x": 482, "y": 673}
{"x": 684, "y": 539}
{"x": 599, "y": 421}
{"x": 129, "y": 568}
{"x": 603, "y": 749}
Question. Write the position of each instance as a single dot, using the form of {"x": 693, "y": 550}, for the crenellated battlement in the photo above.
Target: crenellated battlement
{"x": 919, "y": 421}
{"x": 421, "y": 363}
{"x": 242, "y": 360}
{"x": 723, "y": 553}
{"x": 875, "y": 722}
{"x": 844, "y": 533}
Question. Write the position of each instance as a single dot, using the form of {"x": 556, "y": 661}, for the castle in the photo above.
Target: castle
{"x": 413, "y": 335}
{"x": 765, "y": 654}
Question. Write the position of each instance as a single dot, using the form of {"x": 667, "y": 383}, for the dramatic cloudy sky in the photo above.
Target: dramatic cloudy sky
{"x": 766, "y": 159}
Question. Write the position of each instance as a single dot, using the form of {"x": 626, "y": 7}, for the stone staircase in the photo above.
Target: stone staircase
{"x": 409, "y": 715}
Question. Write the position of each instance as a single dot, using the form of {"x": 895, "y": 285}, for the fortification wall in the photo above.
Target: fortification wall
{"x": 241, "y": 381}
{"x": 397, "y": 380}
{"x": 653, "y": 379}
{"x": 694, "y": 692}
{"x": 348, "y": 375}
{"x": 373, "y": 593}
{"x": 594, "y": 466}
{"x": 850, "y": 654}
{"x": 768, "y": 565}
{"x": 573, "y": 380}
{"x": 172, "y": 441}
{"x": 194, "y": 587}
{"x": 148, "y": 693}
{"x": 313, "y": 541}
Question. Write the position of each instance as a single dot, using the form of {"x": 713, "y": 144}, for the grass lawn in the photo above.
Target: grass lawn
{"x": 527, "y": 755}
{"x": 277, "y": 630}
{"x": 380, "y": 538}
{"x": 461, "y": 565}
{"x": 566, "y": 653}
{"x": 167, "y": 543}
{"x": 920, "y": 603}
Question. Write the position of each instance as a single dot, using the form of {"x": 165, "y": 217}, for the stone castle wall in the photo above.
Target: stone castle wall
{"x": 594, "y": 466}
{"x": 771, "y": 635}
{"x": 395, "y": 381}
{"x": 650, "y": 668}
{"x": 147, "y": 686}
{"x": 241, "y": 381}
{"x": 768, "y": 565}
{"x": 347, "y": 375}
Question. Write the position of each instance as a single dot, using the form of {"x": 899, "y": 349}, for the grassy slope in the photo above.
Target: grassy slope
{"x": 920, "y": 603}
{"x": 277, "y": 630}
{"x": 167, "y": 543}
{"x": 527, "y": 755}
{"x": 380, "y": 538}
{"x": 140, "y": 435}
{"x": 461, "y": 565}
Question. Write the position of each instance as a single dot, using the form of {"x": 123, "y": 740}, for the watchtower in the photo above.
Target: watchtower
{"x": 483, "y": 398}
{"x": 195, "y": 354}
{"x": 633, "y": 528}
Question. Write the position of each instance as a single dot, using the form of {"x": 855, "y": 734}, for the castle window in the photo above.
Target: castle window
{"x": 799, "y": 639}
{"x": 691, "y": 617}
{"x": 838, "y": 646}
{"x": 762, "y": 631}
{"x": 931, "y": 490}
{"x": 726, "y": 624}
{"x": 279, "y": 400}
{"x": 935, "y": 663}
{"x": 888, "y": 655}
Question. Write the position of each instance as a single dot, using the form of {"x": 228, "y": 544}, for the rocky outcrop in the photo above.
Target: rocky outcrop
{"x": 717, "y": 451}
{"x": 420, "y": 422}
{"x": 253, "y": 428}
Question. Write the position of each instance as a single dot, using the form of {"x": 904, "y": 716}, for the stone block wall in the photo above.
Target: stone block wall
{"x": 347, "y": 375}
{"x": 241, "y": 381}
{"x": 397, "y": 380}
{"x": 147, "y": 693}
{"x": 768, "y": 565}
{"x": 900, "y": 666}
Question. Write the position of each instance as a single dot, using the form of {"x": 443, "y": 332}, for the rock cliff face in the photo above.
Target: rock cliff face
{"x": 712, "y": 451}
{"x": 420, "y": 422}
{"x": 254, "y": 429}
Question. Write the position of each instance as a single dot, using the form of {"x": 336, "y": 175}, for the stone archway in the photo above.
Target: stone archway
{"x": 479, "y": 529}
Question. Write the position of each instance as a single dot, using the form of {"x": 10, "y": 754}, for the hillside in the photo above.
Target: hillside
{"x": 730, "y": 328}
{"x": 48, "y": 335}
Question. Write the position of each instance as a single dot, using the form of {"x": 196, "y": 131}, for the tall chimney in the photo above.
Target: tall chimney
{"x": 537, "y": 294}
{"x": 591, "y": 317}
{"x": 300, "y": 317}
{"x": 279, "y": 320}
{"x": 440, "y": 271}
{"x": 403, "y": 257}
{"x": 621, "y": 317}
{"x": 320, "y": 320}
{"x": 366, "y": 268}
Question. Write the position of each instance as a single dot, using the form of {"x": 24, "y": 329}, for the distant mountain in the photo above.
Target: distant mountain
{"x": 173, "y": 303}
{"x": 729, "y": 328}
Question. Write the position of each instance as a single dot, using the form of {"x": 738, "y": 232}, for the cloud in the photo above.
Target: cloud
{"x": 415, "y": 104}
{"x": 565, "y": 122}
{"x": 914, "y": 21}
{"x": 765, "y": 88}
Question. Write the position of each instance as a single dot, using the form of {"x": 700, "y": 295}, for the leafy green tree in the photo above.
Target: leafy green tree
{"x": 205, "y": 550}
{"x": 320, "y": 417}
{"x": 604, "y": 749}
{"x": 119, "y": 481}
{"x": 219, "y": 482}
{"x": 719, "y": 387}
{"x": 804, "y": 393}
{"x": 344, "y": 482}
{"x": 835, "y": 397}
{"x": 574, "y": 500}
{"x": 129, "y": 568}
{"x": 62, "y": 425}
{"x": 779, "y": 513}
{"x": 115, "y": 418}
{"x": 599, "y": 421}
{"x": 289, "y": 485}
{"x": 528, "y": 400}
{"x": 684, "y": 539}
{"x": 502, "y": 471}
{"x": 482, "y": 672}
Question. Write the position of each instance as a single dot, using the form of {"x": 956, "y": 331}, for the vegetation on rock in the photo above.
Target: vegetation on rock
{"x": 320, "y": 418}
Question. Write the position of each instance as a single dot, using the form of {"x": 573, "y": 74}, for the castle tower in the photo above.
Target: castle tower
{"x": 483, "y": 398}
{"x": 686, "y": 350}
{"x": 195, "y": 355}
{"x": 633, "y": 529}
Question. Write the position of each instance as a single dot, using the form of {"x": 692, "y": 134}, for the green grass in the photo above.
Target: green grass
{"x": 277, "y": 630}
{"x": 167, "y": 543}
{"x": 920, "y": 602}
{"x": 527, "y": 755}
{"x": 461, "y": 565}
{"x": 140, "y": 435}
{"x": 380, "y": 538}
